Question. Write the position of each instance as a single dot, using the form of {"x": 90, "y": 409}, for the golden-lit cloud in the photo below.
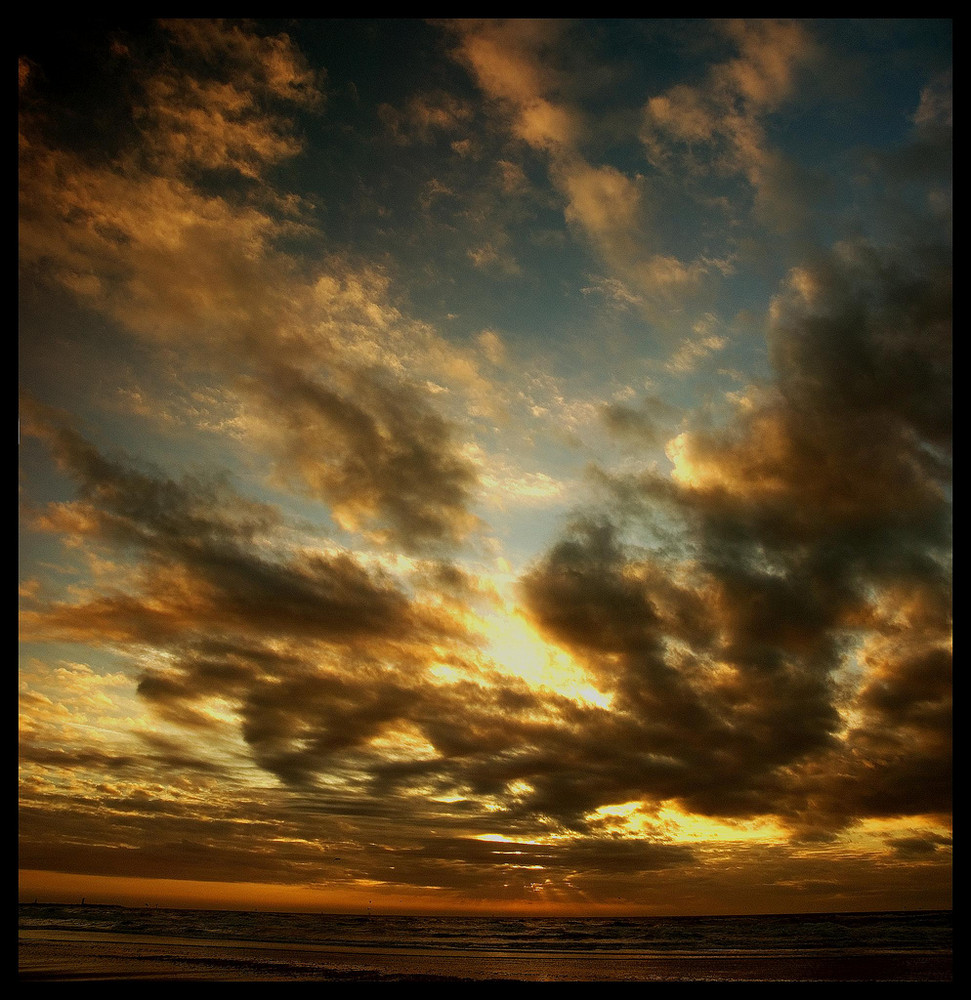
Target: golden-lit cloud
{"x": 510, "y": 61}
{"x": 171, "y": 263}
{"x": 717, "y": 125}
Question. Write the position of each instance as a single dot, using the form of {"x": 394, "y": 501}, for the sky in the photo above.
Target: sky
{"x": 486, "y": 466}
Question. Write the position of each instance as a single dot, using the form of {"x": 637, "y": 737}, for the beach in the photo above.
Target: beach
{"x": 49, "y": 956}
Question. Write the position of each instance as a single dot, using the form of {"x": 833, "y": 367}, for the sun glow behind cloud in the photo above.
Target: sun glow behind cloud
{"x": 514, "y": 647}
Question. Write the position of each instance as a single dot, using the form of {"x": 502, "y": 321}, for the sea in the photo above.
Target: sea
{"x": 884, "y": 946}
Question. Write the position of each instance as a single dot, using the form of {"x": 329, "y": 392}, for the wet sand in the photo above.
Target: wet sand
{"x": 49, "y": 956}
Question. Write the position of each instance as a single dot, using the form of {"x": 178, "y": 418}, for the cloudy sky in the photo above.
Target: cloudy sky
{"x": 499, "y": 466}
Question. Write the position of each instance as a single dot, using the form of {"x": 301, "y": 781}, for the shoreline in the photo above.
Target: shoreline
{"x": 48, "y": 956}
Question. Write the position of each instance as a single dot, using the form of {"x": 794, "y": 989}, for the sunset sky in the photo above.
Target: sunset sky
{"x": 486, "y": 466}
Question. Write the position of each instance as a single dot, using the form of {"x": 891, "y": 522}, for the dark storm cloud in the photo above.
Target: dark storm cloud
{"x": 316, "y": 713}
{"x": 918, "y": 847}
{"x": 318, "y": 654}
{"x": 865, "y": 335}
{"x": 199, "y": 542}
{"x": 897, "y": 758}
{"x": 376, "y": 450}
{"x": 709, "y": 710}
{"x": 233, "y": 617}
{"x": 817, "y": 532}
